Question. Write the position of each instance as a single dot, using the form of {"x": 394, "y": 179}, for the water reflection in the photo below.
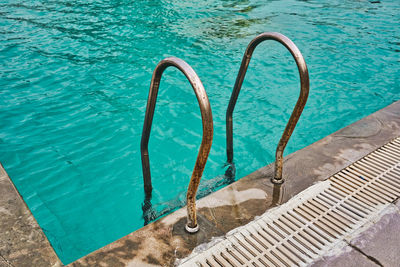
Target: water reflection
{"x": 152, "y": 212}
{"x": 74, "y": 85}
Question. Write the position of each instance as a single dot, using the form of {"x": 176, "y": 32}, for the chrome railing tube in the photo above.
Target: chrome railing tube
{"x": 206, "y": 142}
{"x": 298, "y": 109}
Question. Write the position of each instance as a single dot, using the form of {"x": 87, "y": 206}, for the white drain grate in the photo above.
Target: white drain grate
{"x": 298, "y": 232}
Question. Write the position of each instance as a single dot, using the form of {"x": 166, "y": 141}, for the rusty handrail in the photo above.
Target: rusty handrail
{"x": 206, "y": 142}
{"x": 298, "y": 109}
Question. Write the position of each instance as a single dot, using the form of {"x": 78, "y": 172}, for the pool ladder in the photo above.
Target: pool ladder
{"x": 298, "y": 109}
{"x": 207, "y": 122}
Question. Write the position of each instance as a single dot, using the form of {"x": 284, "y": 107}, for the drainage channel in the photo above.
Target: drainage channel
{"x": 310, "y": 224}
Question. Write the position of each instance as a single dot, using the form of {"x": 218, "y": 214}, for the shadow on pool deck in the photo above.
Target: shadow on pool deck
{"x": 164, "y": 241}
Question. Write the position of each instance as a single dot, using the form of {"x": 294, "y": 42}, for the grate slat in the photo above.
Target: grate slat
{"x": 380, "y": 183}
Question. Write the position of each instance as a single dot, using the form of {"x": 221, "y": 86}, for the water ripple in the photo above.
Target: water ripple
{"x": 74, "y": 79}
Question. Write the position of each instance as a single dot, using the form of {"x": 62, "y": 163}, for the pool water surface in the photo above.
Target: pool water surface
{"x": 75, "y": 77}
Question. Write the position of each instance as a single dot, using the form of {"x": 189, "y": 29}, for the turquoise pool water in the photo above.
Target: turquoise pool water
{"x": 75, "y": 77}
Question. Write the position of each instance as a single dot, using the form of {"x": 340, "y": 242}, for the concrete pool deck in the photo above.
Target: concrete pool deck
{"x": 22, "y": 242}
{"x": 162, "y": 242}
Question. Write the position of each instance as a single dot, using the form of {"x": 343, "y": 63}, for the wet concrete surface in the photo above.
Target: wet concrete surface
{"x": 162, "y": 242}
{"x": 349, "y": 257}
{"x": 378, "y": 245}
{"x": 381, "y": 242}
{"x": 22, "y": 242}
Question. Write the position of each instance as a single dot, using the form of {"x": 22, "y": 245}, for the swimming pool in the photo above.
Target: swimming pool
{"x": 75, "y": 77}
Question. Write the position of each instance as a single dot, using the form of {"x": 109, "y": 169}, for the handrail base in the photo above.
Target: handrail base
{"x": 192, "y": 230}
{"x": 277, "y": 181}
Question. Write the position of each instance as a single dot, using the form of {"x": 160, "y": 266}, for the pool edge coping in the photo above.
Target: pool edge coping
{"x": 23, "y": 242}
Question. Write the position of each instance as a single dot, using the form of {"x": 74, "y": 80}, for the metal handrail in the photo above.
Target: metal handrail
{"x": 206, "y": 142}
{"x": 298, "y": 109}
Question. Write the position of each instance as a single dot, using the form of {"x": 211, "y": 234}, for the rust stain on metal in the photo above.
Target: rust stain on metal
{"x": 298, "y": 109}
{"x": 207, "y": 121}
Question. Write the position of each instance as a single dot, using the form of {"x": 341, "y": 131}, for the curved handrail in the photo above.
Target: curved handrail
{"x": 206, "y": 142}
{"x": 298, "y": 109}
